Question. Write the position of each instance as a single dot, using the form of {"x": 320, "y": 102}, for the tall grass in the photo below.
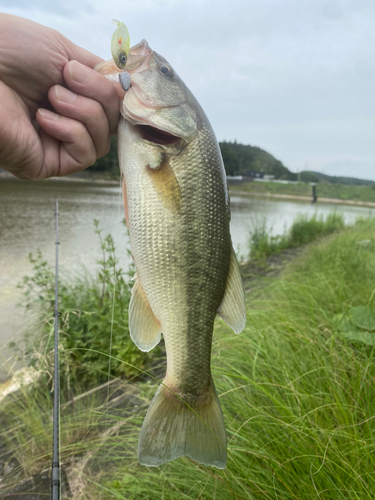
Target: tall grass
{"x": 302, "y": 231}
{"x": 298, "y": 398}
{"x": 94, "y": 319}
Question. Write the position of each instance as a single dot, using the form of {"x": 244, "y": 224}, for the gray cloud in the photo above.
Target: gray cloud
{"x": 68, "y": 8}
{"x": 295, "y": 78}
{"x": 350, "y": 168}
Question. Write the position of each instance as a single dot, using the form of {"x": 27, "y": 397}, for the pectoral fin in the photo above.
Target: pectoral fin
{"x": 232, "y": 308}
{"x": 144, "y": 328}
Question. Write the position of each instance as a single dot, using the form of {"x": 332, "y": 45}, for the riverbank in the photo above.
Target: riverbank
{"x": 362, "y": 196}
{"x": 307, "y": 199}
{"x": 297, "y": 388}
{"x": 85, "y": 176}
{"x": 327, "y": 193}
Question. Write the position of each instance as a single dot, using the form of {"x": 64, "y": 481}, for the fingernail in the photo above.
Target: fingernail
{"x": 78, "y": 72}
{"x": 49, "y": 115}
{"x": 64, "y": 95}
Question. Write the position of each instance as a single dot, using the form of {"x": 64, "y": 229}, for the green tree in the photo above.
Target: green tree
{"x": 240, "y": 159}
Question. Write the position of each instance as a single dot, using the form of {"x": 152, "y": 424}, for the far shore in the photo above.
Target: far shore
{"x": 308, "y": 199}
{"x": 80, "y": 177}
{"x": 98, "y": 179}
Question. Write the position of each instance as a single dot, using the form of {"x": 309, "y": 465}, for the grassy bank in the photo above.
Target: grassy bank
{"x": 302, "y": 231}
{"x": 296, "y": 387}
{"x": 323, "y": 190}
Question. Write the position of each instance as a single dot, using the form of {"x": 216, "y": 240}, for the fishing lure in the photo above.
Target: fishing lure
{"x": 120, "y": 45}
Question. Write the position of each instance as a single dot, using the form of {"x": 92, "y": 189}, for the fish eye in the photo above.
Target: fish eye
{"x": 123, "y": 59}
{"x": 164, "y": 70}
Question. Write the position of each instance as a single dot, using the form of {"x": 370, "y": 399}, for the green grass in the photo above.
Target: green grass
{"x": 298, "y": 398}
{"x": 302, "y": 231}
{"x": 94, "y": 319}
{"x": 323, "y": 190}
{"x": 299, "y": 401}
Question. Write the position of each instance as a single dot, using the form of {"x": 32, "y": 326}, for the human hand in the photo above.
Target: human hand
{"x": 36, "y": 65}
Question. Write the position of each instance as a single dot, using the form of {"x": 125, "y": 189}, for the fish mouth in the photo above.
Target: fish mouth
{"x": 156, "y": 135}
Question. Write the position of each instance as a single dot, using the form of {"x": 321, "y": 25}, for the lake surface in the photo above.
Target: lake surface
{"x": 27, "y": 224}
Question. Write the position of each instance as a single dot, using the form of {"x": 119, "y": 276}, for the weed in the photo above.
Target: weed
{"x": 298, "y": 396}
{"x": 303, "y": 230}
{"x": 93, "y": 322}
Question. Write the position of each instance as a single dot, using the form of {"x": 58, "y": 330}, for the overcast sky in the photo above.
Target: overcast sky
{"x": 296, "y": 78}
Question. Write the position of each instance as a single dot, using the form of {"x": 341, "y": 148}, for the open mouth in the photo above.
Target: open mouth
{"x": 157, "y": 136}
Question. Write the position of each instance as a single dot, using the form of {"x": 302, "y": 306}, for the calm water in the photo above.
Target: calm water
{"x": 27, "y": 224}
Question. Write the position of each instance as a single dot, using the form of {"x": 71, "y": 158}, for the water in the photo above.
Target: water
{"x": 279, "y": 215}
{"x": 27, "y": 224}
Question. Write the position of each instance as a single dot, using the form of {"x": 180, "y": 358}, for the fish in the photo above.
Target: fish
{"x": 177, "y": 211}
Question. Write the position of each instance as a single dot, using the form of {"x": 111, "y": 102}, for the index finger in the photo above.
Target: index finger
{"x": 89, "y": 83}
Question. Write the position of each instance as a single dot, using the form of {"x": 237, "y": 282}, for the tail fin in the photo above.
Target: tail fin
{"x": 172, "y": 429}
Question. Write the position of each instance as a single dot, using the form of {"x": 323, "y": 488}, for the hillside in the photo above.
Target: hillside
{"x": 240, "y": 158}
{"x": 311, "y": 176}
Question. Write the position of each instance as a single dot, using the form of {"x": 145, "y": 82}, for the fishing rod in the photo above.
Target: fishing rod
{"x": 55, "y": 482}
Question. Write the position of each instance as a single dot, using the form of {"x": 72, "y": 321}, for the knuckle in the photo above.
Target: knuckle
{"x": 91, "y": 113}
{"x": 97, "y": 114}
{"x": 77, "y": 131}
{"x": 88, "y": 153}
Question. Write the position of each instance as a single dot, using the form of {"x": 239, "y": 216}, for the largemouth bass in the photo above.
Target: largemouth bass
{"x": 177, "y": 211}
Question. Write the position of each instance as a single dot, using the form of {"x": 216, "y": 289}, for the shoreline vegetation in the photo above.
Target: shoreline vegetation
{"x": 248, "y": 162}
{"x": 307, "y": 199}
{"x": 302, "y": 191}
{"x": 297, "y": 386}
{"x": 363, "y": 196}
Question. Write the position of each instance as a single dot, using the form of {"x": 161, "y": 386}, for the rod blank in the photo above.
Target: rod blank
{"x": 55, "y": 483}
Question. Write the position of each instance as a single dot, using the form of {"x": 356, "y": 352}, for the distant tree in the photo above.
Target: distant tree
{"x": 307, "y": 176}
{"x": 333, "y": 179}
{"x": 230, "y": 158}
{"x": 239, "y": 159}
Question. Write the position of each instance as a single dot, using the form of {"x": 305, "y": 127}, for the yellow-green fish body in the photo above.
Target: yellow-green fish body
{"x": 177, "y": 211}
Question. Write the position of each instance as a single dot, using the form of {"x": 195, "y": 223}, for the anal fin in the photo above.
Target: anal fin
{"x": 232, "y": 308}
{"x": 144, "y": 328}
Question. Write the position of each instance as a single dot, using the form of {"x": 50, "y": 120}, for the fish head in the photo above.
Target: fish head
{"x": 158, "y": 103}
